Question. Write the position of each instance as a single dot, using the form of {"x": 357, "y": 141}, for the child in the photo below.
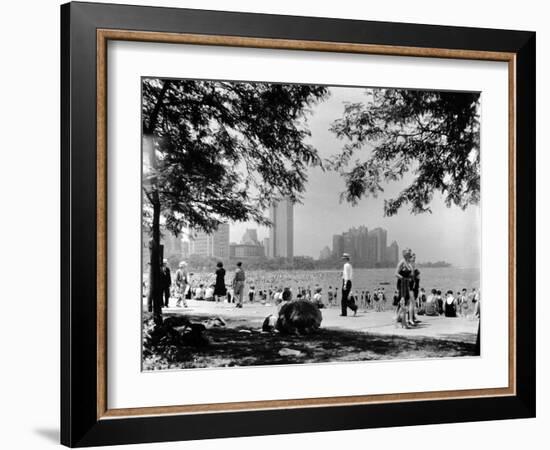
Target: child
{"x": 209, "y": 293}
{"x": 376, "y": 298}
{"x": 199, "y": 292}
{"x": 318, "y": 298}
{"x": 230, "y": 298}
{"x": 352, "y": 303}
{"x": 251, "y": 294}
{"x": 383, "y": 299}
{"x": 330, "y": 296}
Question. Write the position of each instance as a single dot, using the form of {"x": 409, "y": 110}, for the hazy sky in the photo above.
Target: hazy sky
{"x": 448, "y": 234}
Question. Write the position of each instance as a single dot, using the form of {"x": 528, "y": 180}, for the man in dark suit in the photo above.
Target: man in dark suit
{"x": 165, "y": 281}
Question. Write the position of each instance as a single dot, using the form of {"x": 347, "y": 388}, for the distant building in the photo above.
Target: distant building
{"x": 185, "y": 249}
{"x": 392, "y": 254}
{"x": 337, "y": 245}
{"x": 381, "y": 237}
{"x": 249, "y": 246}
{"x": 267, "y": 247}
{"x": 366, "y": 248}
{"x": 214, "y": 244}
{"x": 325, "y": 253}
{"x": 281, "y": 234}
{"x": 250, "y": 237}
{"x": 244, "y": 251}
{"x": 372, "y": 246}
{"x": 172, "y": 246}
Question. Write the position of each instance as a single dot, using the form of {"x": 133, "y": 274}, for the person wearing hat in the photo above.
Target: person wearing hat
{"x": 165, "y": 281}
{"x": 181, "y": 283}
{"x": 347, "y": 276}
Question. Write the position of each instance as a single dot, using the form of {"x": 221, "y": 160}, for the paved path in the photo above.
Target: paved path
{"x": 253, "y": 314}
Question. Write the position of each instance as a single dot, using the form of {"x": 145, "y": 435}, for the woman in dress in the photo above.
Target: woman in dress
{"x": 182, "y": 284}
{"x": 404, "y": 274}
{"x": 219, "y": 288}
{"x": 415, "y": 285}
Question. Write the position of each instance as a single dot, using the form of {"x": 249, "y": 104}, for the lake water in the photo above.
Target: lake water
{"x": 443, "y": 278}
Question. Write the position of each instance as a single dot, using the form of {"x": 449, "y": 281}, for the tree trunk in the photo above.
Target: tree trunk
{"x": 155, "y": 290}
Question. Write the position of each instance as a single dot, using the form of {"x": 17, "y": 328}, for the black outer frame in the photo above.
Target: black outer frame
{"x": 79, "y": 423}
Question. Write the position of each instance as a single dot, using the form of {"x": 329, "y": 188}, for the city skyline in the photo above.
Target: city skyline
{"x": 364, "y": 246}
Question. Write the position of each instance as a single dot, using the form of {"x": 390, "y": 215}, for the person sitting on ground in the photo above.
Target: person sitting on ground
{"x": 209, "y": 293}
{"x": 421, "y": 302}
{"x": 286, "y": 296}
{"x": 450, "y": 305}
{"x": 278, "y": 296}
{"x": 431, "y": 306}
{"x": 422, "y": 297}
{"x": 199, "y": 292}
{"x": 439, "y": 299}
{"x": 318, "y": 298}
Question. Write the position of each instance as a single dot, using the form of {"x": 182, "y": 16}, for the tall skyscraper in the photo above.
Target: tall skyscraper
{"x": 381, "y": 237}
{"x": 392, "y": 253}
{"x": 214, "y": 244}
{"x": 281, "y": 234}
{"x": 337, "y": 245}
{"x": 267, "y": 247}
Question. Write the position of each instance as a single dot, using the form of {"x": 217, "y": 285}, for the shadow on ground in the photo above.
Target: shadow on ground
{"x": 238, "y": 344}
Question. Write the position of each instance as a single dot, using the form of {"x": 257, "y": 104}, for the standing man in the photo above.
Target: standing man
{"x": 238, "y": 285}
{"x": 347, "y": 276}
{"x": 165, "y": 281}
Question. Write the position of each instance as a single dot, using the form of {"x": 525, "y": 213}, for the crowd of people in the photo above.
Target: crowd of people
{"x": 409, "y": 300}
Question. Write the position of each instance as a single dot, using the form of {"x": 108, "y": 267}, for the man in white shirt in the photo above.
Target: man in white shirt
{"x": 347, "y": 276}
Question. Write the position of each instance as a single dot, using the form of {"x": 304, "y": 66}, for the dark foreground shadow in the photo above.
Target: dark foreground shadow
{"x": 238, "y": 345}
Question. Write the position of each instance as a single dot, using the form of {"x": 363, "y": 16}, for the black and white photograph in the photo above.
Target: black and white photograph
{"x": 299, "y": 224}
